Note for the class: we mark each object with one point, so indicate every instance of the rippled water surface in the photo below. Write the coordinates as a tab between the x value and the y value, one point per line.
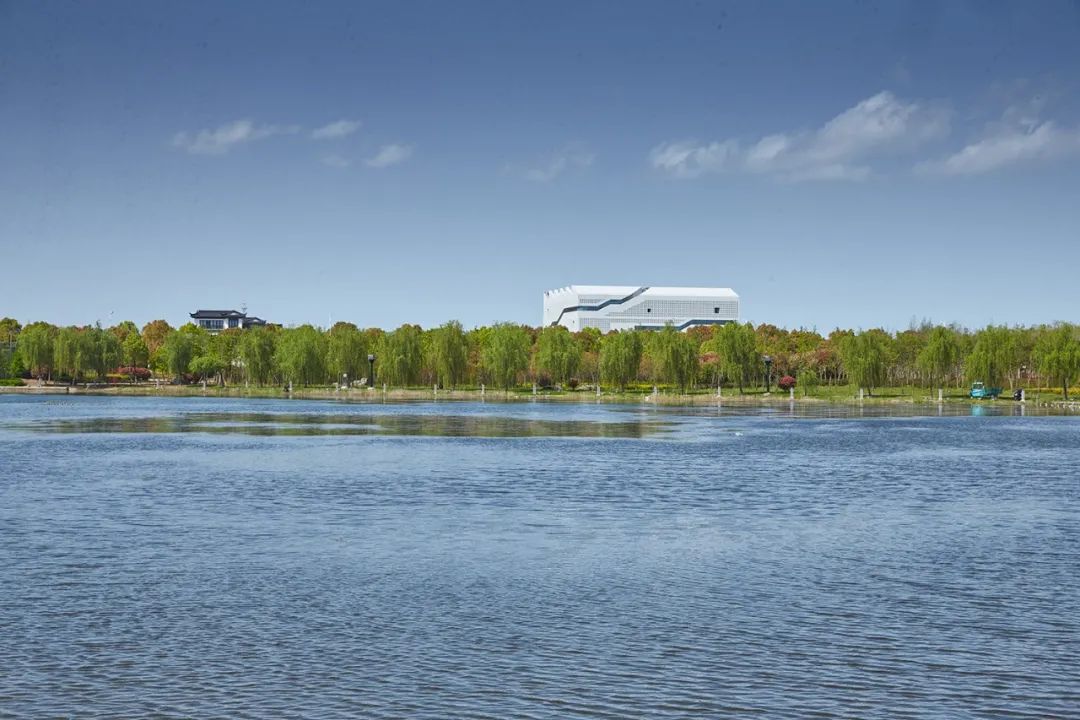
248	559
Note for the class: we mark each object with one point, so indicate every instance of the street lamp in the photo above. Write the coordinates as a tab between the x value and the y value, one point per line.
768	371
371	370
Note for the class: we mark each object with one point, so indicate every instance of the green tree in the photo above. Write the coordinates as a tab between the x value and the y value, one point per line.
206	365
675	358
1057	354
224	347
939	357
346	352
256	351
506	354
449	354
74	351
864	356
134	351
35	347
300	355
737	346
401	356
994	356
9	330
105	351
620	358
178	350
808	376
557	353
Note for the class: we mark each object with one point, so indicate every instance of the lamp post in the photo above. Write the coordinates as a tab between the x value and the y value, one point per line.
768	371
371	370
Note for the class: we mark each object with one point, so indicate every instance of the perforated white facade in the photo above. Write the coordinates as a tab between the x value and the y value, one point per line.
618	307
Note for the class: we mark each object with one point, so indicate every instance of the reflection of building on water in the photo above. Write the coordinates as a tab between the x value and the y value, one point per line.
618	307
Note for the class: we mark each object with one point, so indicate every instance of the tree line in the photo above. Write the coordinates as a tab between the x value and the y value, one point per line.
508	355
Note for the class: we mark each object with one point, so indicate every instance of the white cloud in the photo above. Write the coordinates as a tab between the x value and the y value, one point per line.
390	155
336	161
841	149
335	130
559	163
1018	137
687	159
222	139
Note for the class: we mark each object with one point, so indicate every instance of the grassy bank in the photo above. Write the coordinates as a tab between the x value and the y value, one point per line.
664	396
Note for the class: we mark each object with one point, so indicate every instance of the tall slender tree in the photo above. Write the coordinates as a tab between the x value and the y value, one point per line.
35	347
620	358
674	358
506	354
1058	355
557	353
257	347
301	355
940	356
449	354
401	356
346	352
864	356
737	346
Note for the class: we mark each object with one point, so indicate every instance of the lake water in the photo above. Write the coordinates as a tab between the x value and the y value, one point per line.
250	559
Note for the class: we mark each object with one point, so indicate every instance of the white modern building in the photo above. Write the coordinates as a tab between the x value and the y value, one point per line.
617	307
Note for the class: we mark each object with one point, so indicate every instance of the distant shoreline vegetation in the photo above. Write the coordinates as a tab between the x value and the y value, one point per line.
506	356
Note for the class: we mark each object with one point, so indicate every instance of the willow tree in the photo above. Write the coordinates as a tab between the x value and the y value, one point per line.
400	356
506	354
864	357
346	351
257	354
939	356
72	352
737	346
105	351
1057	354
178	350
620	357
674	358
448	352
557	353
35	348
993	357
300	355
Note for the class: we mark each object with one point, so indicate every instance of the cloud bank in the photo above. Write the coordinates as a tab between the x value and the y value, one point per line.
841	149
1019	137
389	155
336	130
220	140
560	162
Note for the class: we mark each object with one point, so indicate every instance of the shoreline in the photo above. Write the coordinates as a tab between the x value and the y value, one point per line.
581	397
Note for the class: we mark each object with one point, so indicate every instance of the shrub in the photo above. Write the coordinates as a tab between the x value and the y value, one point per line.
10	382
140	373
786	383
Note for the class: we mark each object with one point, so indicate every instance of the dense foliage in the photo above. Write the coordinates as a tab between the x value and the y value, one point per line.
508	355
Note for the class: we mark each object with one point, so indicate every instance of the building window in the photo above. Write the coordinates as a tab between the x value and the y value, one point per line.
716	311
648	309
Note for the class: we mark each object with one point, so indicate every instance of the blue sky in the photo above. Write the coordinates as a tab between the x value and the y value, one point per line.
837	164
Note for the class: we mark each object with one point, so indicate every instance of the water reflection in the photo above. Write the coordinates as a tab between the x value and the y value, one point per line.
285	424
